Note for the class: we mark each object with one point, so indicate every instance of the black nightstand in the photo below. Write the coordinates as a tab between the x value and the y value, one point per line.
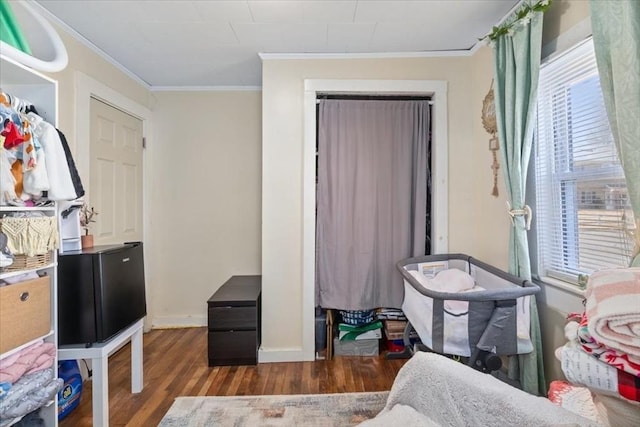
234	322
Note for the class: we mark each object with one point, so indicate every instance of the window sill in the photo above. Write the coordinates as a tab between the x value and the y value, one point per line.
562	285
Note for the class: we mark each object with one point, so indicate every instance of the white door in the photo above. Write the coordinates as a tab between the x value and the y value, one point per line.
115	189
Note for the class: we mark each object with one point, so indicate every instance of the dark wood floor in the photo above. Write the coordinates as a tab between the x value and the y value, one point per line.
175	364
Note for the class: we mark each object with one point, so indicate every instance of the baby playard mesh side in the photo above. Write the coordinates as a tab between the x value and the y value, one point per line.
460	306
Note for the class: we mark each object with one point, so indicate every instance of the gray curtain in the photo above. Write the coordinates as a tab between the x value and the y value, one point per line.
371	199
616	39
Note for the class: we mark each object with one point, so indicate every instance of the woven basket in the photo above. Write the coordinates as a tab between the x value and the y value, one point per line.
357	317
23	262
36	236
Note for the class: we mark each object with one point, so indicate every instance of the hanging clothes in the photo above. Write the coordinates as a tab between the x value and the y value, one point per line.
35	159
8	194
73	171
61	184
23	152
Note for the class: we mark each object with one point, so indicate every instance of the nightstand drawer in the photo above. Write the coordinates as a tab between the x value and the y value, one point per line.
234	322
233	318
233	348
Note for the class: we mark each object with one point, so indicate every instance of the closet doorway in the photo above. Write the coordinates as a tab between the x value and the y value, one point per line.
373	196
116	175
437	90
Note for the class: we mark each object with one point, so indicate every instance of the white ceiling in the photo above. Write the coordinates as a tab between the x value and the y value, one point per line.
169	43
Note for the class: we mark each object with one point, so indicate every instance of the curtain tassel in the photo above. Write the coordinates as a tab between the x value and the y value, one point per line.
525	211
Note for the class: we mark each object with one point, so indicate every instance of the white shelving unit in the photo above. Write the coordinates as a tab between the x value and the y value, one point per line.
70	230
42	91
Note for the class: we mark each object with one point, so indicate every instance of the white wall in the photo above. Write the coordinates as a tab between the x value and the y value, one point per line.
492	224
86	61
202	182
283	83
204	216
478	223
206	155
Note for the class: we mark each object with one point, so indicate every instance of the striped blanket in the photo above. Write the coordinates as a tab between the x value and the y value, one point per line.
613	309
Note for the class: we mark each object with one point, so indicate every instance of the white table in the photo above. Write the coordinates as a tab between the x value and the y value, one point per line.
99	354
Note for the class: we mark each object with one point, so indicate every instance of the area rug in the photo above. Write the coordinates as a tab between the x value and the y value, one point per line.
339	409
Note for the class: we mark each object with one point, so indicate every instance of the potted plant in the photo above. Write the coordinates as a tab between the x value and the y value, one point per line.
87	217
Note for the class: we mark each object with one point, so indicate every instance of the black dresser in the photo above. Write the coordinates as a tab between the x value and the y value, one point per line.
234	322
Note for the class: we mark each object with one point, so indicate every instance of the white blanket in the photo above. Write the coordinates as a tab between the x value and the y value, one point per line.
432	390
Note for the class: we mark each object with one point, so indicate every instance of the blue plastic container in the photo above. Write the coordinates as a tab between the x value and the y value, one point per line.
69	394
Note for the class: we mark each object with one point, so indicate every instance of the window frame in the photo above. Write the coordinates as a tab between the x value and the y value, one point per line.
569	276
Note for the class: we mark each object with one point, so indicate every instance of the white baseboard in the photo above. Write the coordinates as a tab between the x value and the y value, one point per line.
295	354
265	355
164	322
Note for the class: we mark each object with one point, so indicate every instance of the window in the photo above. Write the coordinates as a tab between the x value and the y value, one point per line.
584	218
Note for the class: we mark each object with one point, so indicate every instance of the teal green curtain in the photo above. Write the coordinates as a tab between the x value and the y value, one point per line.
516	70
10	32
516	67
616	39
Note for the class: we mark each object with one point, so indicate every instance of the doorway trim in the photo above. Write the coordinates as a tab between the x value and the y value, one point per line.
437	89
86	88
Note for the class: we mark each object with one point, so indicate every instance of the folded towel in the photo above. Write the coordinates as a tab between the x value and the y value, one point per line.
31	359
376	324
350	332
613	309
30	393
23	387
4	388
374	334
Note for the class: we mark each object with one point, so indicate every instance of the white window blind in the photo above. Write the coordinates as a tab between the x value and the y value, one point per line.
583	212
